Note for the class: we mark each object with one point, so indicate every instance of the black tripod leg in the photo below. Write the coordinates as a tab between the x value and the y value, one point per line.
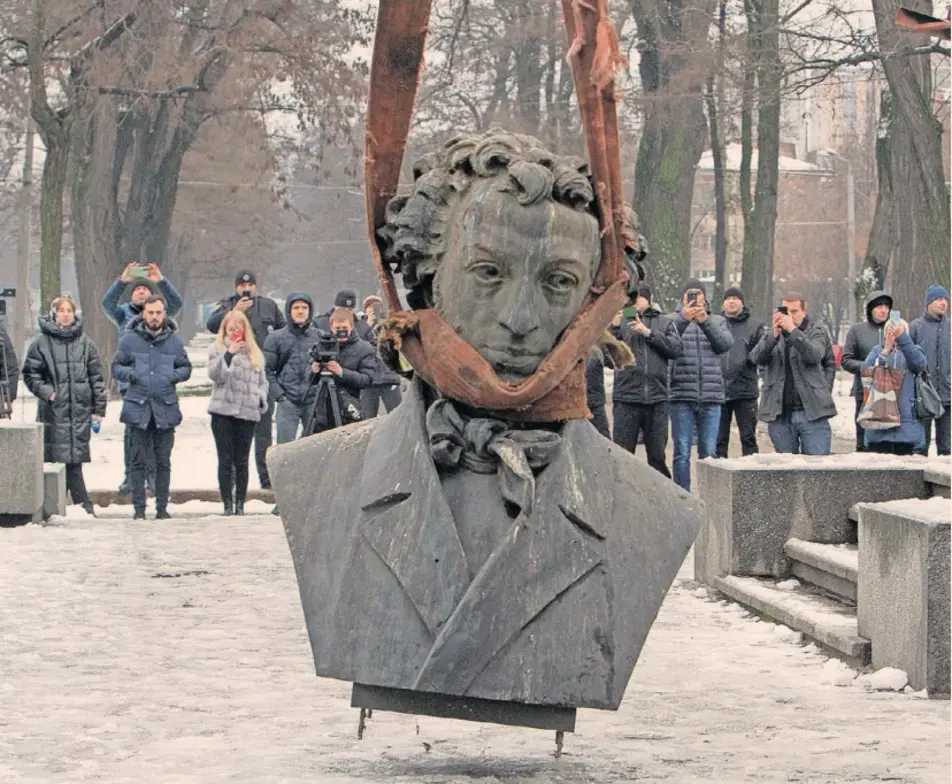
335	403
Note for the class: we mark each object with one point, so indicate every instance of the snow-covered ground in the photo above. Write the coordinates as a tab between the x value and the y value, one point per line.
176	652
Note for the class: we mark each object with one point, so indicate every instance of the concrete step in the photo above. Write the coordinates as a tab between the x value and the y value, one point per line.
832	568
829	623
108	497
939	475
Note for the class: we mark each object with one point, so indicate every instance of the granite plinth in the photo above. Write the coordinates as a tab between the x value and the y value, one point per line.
903	591
754	505
21	472
54	490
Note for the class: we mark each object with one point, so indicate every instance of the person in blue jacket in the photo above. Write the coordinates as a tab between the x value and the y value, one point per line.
899	352
151	360
122	315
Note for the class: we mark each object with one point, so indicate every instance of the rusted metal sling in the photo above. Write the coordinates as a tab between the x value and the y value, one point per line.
556	391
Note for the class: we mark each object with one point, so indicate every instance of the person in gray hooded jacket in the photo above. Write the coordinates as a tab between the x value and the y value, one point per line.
697	379
860	340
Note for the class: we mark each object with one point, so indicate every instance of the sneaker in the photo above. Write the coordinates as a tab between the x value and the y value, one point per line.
264	483
162	514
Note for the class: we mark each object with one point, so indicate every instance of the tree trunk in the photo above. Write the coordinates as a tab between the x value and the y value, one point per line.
714	98
884	232
918	184
763	24
52	188
673	136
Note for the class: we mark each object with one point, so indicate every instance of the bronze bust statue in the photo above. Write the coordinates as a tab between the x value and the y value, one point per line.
465	553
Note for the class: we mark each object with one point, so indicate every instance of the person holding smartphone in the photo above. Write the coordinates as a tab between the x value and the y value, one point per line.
697	379
796	401
860	340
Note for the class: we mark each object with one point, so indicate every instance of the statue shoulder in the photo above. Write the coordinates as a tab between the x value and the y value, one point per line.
342	445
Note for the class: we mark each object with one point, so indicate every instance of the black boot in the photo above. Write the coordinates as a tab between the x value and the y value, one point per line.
88	508
239	507
229	511
139	514
162	514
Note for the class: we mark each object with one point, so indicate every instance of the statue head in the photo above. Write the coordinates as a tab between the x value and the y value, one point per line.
500	237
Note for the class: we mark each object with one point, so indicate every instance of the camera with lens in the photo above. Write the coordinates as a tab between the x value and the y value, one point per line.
326	349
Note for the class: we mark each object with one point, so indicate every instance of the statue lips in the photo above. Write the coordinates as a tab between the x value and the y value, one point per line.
516	360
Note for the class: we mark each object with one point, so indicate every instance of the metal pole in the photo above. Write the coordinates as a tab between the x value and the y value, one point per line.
24	245
851	237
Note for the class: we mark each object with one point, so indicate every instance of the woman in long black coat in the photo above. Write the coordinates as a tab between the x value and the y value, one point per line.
62	369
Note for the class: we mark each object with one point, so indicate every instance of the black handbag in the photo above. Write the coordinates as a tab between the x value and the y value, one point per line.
928	404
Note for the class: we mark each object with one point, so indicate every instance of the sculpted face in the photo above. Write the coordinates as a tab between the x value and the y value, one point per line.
513	276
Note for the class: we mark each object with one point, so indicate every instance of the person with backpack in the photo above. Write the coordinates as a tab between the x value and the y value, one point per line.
63	371
931	333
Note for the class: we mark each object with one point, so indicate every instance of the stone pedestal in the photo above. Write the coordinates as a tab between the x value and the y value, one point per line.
903	589
54	490
753	505
21	472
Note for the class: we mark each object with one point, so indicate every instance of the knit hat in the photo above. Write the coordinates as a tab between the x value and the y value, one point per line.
735	291
142	283
693	285
345	299
645	291
246	276
934	292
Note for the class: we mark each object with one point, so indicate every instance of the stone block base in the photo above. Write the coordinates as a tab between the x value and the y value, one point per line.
54	490
21	471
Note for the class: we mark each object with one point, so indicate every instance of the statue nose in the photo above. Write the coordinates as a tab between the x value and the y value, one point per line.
520	314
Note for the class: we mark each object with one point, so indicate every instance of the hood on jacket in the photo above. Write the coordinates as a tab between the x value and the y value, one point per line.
871	300
49	327
299	296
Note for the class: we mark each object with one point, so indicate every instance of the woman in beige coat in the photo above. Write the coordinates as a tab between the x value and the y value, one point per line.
239	398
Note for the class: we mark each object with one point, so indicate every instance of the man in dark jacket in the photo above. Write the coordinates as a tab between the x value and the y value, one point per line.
931	333
796	401
347	300
860	340
155	283
9	373
265	317
354	368
151	360
640	392
122	315
740	375
697	379
387	387
287	355
595	390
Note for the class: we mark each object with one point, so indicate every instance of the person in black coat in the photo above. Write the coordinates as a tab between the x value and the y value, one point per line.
62	369
741	388
265	317
152	360
9	374
387	387
595	390
640	392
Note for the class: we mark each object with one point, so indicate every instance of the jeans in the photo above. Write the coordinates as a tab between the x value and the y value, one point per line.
652	421
262	443
941	432
600	420
685	417
233	443
289	417
794	434
127	457
746	413
155	445
370	398
76	484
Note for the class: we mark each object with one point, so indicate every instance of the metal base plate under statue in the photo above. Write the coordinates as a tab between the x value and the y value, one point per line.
449	706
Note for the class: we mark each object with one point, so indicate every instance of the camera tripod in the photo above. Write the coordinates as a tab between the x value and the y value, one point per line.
326	393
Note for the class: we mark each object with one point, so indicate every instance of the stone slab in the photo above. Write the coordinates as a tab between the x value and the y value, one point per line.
938	473
823	620
903	597
54	490
839	560
754	505
447	706
21	471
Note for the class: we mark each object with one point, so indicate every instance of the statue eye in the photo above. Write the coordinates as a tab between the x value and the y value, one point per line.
488	272
561	281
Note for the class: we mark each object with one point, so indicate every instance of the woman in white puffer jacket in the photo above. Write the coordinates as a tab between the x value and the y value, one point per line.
239	398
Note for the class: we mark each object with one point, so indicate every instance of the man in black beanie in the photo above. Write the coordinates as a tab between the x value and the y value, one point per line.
265	317
740	375
347	299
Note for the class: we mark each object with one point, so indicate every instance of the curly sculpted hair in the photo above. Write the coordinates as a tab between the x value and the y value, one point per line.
418	226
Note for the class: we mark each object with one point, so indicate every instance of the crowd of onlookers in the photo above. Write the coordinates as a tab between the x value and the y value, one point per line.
695	371
700	371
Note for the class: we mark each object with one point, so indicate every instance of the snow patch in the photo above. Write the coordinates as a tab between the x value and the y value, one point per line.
836	673
886	679
788	585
